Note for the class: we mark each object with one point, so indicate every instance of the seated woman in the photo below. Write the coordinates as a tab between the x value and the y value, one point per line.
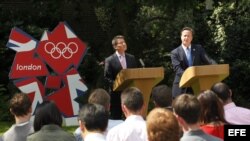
48	124
212	114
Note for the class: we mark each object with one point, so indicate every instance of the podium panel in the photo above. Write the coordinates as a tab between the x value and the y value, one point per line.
143	78
201	78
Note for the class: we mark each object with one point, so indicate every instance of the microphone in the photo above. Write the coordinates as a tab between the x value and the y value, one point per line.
142	63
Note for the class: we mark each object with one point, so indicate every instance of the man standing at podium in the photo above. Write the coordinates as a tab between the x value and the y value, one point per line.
113	65
184	56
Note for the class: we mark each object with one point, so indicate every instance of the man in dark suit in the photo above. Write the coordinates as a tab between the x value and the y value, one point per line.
184	56
113	65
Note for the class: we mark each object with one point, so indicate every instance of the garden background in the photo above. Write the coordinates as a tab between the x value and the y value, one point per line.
152	30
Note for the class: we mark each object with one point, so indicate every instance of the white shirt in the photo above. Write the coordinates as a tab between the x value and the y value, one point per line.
94	137
111	124
237	115
122	60
185	49
133	129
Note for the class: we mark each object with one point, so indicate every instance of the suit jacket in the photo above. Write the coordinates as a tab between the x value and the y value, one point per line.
18	133
113	67
198	135
51	132
180	63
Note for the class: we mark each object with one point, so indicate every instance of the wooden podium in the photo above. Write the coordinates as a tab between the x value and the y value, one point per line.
201	78
143	78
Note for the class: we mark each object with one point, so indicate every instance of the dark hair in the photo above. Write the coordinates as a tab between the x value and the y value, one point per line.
100	96
94	117
211	107
187	28
20	104
162	96
188	107
222	91
47	113
132	98
114	40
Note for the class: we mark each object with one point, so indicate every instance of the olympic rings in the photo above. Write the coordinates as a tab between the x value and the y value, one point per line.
61	49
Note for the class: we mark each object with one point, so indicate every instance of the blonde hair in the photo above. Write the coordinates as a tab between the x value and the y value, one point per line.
162	125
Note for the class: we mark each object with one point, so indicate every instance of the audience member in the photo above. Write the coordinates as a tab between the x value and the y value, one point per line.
212	118
162	97
99	96
162	125
187	110
134	127
93	121
48	124
20	108
233	114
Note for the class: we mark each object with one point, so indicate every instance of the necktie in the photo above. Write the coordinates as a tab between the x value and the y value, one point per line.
123	62
189	56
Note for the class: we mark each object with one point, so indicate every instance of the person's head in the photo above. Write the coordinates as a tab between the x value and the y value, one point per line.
186	36
222	91
47	113
119	44
93	118
211	108
188	108
131	101
162	125
100	96
20	105
161	96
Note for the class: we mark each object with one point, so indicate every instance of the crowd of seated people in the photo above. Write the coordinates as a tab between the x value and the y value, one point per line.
101	97
187	117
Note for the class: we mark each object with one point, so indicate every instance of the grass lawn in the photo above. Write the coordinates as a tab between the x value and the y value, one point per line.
6	125
70	129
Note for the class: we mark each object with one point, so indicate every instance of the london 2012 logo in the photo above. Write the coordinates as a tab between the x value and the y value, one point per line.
47	69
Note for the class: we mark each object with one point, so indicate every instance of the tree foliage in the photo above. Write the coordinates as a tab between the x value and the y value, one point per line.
229	24
152	30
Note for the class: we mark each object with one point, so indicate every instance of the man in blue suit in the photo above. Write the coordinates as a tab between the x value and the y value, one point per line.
113	65
184	56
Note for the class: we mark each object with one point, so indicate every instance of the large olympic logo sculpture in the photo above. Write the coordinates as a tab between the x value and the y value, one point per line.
61	49
58	54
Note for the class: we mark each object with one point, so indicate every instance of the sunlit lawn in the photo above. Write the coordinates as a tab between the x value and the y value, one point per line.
70	129
4	126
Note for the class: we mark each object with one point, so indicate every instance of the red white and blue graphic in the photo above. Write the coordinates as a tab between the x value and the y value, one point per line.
56	58
25	64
